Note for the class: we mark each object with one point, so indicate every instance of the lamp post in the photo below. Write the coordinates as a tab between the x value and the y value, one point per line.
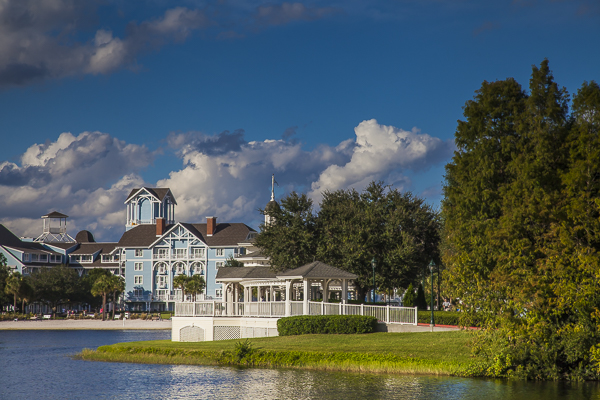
432	322
373	264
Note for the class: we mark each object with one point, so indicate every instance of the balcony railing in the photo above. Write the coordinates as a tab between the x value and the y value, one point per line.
387	314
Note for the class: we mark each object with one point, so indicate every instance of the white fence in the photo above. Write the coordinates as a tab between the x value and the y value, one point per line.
387	314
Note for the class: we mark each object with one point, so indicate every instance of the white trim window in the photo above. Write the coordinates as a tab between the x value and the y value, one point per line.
138	266
161	253
219	293
106	258
179	269
219	264
139	252
25	256
161	281
197	252
34	257
220	252
138	292
43	257
180	253
138	280
86	258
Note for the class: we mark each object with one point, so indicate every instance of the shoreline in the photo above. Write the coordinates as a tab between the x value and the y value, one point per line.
395	353
81	324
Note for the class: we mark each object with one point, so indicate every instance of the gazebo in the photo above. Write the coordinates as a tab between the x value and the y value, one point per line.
307	283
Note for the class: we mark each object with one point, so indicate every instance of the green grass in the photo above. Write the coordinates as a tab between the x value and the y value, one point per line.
439	353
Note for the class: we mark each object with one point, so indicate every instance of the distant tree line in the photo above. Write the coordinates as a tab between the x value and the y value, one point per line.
59	285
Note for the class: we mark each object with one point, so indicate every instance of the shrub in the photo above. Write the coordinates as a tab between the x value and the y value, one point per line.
409	297
325	324
448	318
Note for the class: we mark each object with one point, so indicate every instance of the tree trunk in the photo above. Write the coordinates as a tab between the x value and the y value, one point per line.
15	304
103	306
114	304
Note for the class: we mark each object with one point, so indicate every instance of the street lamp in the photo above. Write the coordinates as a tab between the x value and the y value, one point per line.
431	267
373	264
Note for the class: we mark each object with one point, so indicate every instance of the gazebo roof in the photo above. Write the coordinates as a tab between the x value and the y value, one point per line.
316	270
233	274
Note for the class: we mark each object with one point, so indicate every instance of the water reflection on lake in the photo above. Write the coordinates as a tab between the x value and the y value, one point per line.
36	365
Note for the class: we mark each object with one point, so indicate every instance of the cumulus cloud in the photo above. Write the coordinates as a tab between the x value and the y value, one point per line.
379	151
88	176
82	176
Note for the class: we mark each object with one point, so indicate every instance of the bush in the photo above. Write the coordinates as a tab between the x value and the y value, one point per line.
326	324
448	318
409	297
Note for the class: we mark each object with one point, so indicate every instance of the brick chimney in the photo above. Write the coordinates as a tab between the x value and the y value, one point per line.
211	225
160	226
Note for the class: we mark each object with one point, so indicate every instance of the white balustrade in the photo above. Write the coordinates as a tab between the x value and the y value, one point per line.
388	314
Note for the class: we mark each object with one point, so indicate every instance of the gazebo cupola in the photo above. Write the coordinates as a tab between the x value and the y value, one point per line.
54	229
145	205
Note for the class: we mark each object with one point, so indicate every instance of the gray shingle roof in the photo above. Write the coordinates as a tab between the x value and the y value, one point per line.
317	270
232	273
9	239
92	248
55	214
140	236
226	234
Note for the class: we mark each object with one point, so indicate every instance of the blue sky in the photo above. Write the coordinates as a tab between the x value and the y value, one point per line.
211	98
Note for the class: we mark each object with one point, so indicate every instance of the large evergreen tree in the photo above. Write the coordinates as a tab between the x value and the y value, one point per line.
521	219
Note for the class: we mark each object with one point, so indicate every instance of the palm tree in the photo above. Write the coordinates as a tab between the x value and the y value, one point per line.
118	287
13	286
103	286
196	285
181	282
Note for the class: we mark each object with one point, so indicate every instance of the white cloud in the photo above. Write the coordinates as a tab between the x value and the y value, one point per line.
82	176
379	151
89	175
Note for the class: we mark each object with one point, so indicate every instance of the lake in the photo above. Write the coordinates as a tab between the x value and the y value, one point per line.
37	365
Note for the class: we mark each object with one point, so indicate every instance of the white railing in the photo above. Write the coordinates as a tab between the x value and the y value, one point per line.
387	314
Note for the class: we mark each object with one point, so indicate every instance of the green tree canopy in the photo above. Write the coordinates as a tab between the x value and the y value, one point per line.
521	227
397	229
55	285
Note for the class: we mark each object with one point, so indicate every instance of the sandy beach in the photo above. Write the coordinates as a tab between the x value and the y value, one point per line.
83	325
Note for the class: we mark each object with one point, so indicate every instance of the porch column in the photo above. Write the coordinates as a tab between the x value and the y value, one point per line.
288	303
326	290
306	289
344	291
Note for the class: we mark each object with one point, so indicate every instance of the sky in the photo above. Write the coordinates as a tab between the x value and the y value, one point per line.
210	98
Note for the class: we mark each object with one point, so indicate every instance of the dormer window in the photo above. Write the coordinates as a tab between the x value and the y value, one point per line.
86	258
106	258
43	257
25	256
34	257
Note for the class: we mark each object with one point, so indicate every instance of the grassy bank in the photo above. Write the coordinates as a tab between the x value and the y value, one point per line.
438	353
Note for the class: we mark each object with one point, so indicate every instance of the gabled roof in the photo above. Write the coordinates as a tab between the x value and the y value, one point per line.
140	236
55	214
226	234
9	239
93	248
62	245
316	270
237	274
159	193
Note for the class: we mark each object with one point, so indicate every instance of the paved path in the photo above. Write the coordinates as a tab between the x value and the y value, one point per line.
84	324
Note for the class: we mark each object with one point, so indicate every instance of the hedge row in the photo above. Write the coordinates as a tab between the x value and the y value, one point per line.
447	318
320	324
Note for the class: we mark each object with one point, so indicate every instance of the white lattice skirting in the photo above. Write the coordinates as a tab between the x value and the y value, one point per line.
197	329
191	334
